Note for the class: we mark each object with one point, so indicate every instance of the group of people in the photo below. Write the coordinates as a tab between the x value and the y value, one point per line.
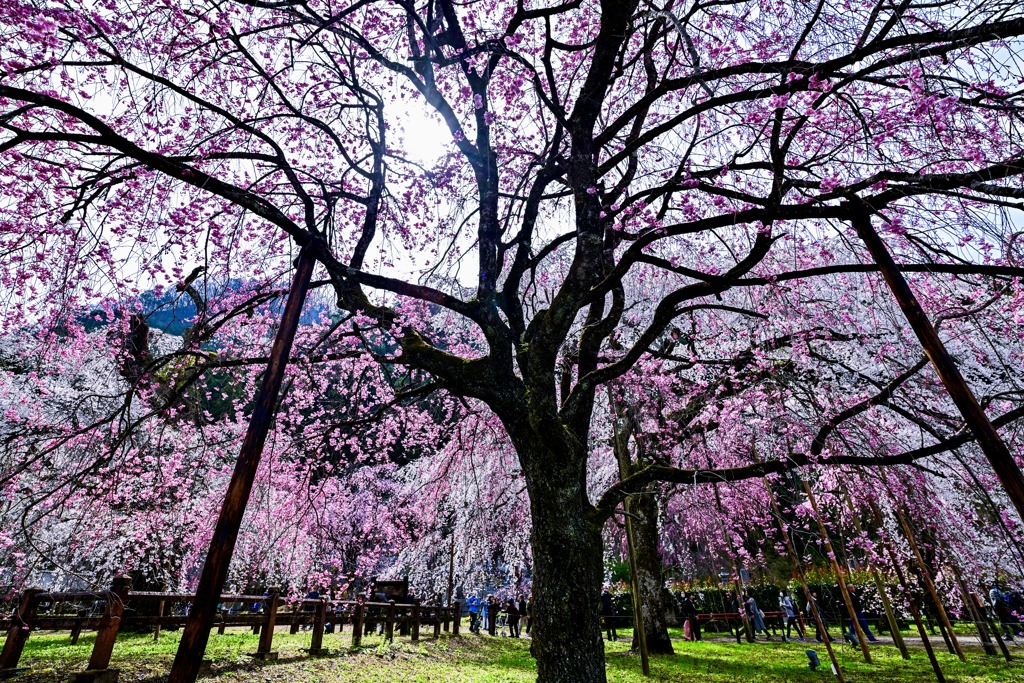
747	606
491	614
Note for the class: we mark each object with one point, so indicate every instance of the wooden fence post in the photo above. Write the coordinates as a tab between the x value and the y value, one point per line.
456	618
389	625
443	613
437	621
357	624
106	635
316	645
159	613
19	631
265	651
415	631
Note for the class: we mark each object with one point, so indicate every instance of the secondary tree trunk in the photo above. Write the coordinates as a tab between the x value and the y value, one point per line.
649	577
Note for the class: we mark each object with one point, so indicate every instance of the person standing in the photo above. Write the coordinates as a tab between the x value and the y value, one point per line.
473	605
608	614
492	615
787	606
691	623
523	612
529	613
513	619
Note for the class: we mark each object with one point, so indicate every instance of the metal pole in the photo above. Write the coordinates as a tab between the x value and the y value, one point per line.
197	629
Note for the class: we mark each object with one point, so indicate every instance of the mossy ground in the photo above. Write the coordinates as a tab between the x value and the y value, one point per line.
481	659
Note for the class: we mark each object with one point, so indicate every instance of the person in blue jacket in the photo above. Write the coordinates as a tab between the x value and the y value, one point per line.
473	605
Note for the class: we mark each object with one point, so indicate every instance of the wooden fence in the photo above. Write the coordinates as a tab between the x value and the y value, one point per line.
117	609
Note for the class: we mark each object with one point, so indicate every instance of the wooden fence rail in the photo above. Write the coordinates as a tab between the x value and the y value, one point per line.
120	603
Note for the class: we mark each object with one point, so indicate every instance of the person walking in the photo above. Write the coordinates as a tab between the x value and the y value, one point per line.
755	615
523	612
608	614
821	615
858	614
1001	610
786	605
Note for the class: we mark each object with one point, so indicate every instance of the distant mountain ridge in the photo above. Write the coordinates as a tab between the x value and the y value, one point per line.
173	311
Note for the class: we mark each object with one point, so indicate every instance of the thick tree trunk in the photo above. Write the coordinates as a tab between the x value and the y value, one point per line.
649	577
568	569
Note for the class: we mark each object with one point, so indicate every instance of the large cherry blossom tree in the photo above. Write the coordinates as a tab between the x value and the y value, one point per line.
601	155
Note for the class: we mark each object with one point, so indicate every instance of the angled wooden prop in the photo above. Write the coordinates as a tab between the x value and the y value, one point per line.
222	546
988	438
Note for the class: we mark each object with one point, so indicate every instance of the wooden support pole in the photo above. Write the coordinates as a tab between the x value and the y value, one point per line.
894	626
415	633
851	613
994	627
926	576
880	522
389	624
106	635
979	622
21	626
451	570
357	624
803	583
222	546
456	617
986	434
437	622
748	628
265	650
316	645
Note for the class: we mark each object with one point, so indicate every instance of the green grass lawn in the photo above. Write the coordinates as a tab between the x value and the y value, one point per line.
481	659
